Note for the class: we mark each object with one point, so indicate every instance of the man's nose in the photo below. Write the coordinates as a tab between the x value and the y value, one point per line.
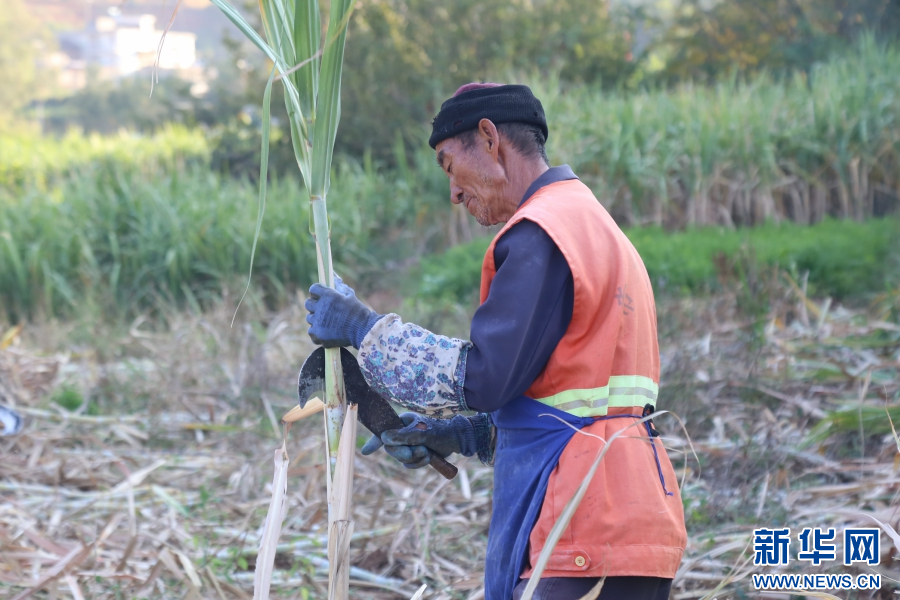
456	194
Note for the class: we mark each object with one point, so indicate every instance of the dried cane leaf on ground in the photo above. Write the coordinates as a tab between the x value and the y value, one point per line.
180	445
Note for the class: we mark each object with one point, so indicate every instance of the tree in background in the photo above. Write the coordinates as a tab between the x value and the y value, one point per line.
105	106
704	41
408	55
22	41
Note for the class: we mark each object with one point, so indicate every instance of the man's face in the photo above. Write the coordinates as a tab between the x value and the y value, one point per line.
476	179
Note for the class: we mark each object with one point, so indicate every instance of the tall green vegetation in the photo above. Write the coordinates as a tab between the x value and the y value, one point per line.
741	152
408	55
126	223
128	220
30	161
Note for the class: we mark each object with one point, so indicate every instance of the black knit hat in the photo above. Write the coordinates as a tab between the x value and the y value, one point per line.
498	103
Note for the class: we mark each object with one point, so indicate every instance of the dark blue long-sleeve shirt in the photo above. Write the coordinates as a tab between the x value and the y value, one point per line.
526	314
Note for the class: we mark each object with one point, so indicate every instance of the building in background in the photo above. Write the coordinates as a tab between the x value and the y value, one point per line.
118	45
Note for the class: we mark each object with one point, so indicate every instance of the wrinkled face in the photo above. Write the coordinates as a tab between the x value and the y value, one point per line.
476	179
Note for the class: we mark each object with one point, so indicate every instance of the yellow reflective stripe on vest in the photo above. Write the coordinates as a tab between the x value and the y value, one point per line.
623	391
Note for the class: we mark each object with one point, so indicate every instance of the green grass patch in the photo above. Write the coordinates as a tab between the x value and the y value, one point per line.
68	397
844	259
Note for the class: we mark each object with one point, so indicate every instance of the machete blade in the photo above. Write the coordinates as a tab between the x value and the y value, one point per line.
375	412
311	381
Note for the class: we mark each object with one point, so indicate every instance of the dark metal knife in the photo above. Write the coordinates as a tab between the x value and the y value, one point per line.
375	413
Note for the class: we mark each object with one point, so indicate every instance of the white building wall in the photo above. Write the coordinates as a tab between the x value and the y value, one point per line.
122	45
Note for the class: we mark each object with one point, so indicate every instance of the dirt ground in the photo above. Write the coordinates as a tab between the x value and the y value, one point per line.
144	467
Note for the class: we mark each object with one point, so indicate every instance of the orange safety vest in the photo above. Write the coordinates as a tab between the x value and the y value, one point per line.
606	364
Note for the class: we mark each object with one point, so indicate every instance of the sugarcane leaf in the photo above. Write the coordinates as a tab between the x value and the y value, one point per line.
328	102
307	35
286	7
154	79
168	499
594	591
265	17
890	531
301	150
893	429
299	141
282	25
263	184
235	17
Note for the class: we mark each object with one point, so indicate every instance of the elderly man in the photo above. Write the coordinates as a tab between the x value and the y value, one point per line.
563	355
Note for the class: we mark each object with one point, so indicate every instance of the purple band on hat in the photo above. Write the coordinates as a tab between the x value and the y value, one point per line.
475	86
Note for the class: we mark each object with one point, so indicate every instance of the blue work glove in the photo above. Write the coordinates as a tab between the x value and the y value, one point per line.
414	444
337	317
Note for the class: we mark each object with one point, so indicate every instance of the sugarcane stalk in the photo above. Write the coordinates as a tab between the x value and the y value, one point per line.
340	527
335	399
313	101
339	489
327	116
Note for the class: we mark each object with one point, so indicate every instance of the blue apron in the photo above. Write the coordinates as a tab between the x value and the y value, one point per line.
528	449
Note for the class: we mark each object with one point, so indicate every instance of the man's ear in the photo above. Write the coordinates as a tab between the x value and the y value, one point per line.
489	137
